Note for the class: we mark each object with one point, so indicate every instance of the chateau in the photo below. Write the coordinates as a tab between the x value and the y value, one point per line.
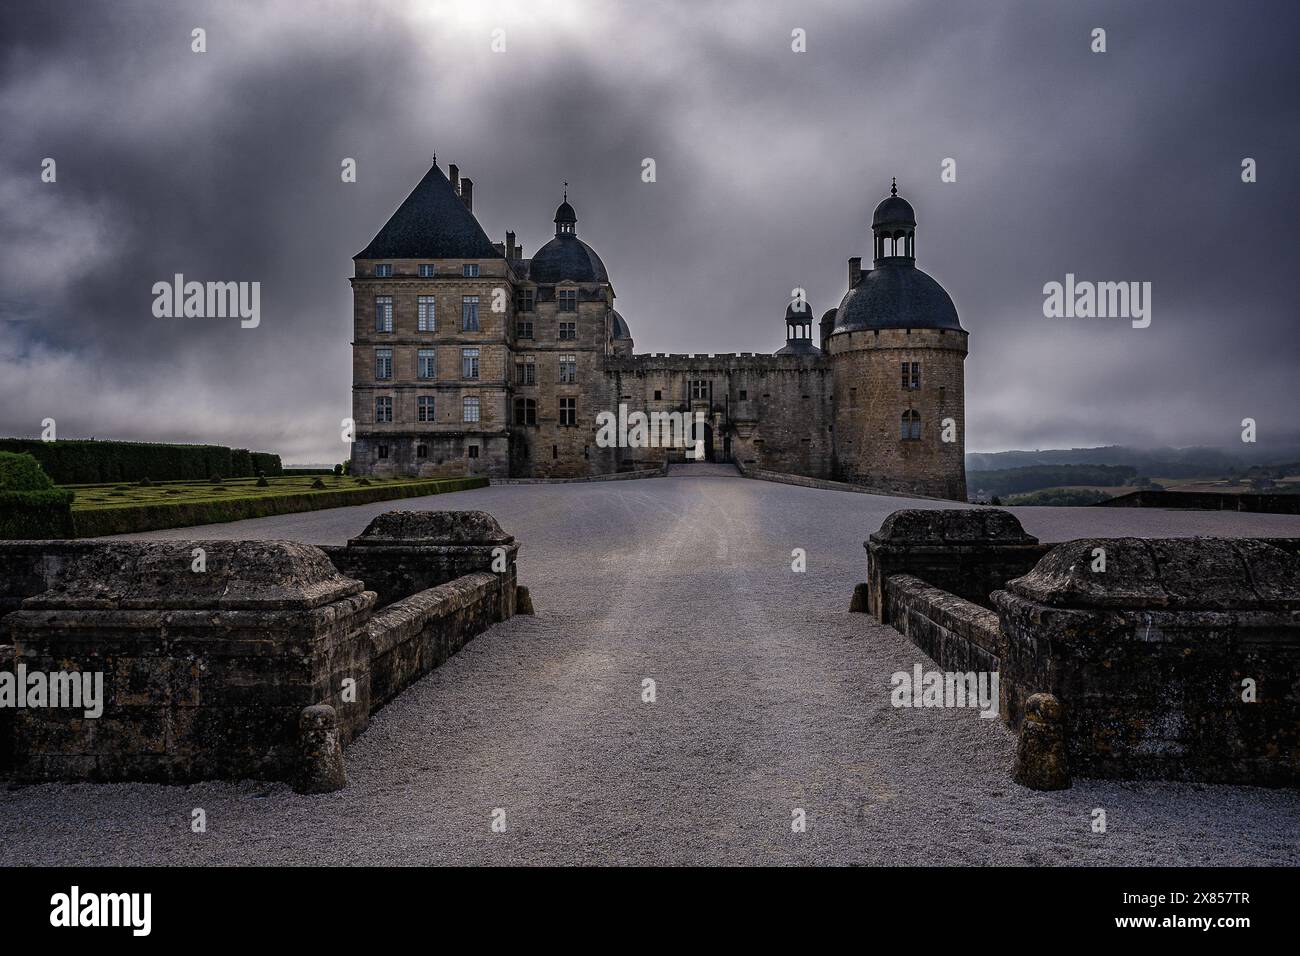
471	358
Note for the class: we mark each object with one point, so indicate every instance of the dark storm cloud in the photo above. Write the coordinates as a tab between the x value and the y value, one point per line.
224	166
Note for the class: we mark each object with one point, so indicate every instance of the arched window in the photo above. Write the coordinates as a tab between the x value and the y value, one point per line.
909	428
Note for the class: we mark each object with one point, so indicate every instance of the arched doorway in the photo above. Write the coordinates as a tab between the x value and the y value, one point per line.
708	442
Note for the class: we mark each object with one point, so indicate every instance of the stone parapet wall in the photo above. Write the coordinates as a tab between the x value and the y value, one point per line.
215	658
970	553
404	552
957	634
1172	659
1150	658
1278	504
204	674
416	634
785	478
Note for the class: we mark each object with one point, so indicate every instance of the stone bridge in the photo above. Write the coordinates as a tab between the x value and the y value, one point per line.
680	694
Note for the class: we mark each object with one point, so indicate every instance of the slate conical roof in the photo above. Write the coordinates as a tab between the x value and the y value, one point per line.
431	223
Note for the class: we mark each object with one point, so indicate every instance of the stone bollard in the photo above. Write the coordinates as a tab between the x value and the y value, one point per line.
320	751
1041	762
523	600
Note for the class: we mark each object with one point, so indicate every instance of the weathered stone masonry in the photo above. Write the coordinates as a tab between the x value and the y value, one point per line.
470	358
240	669
1145	664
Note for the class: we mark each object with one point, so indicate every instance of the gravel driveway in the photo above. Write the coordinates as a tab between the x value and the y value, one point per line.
770	698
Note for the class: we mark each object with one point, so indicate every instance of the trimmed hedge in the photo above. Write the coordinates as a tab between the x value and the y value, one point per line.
153	517
268	463
30	505
84	462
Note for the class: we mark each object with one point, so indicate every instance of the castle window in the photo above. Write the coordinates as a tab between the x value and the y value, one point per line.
383	271
469	313
910	427
525	411
568	330
568	411
426	313
525	300
470	409
568	369
424	409
383	313
381	451
471	270
421	451
425	363
469	363
526	372
700	388
659	396
568	299
744	395
911	374
555	451
383	363
523	330
383	410
472	451
426	270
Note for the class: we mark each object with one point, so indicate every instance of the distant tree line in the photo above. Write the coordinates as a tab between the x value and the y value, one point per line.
84	462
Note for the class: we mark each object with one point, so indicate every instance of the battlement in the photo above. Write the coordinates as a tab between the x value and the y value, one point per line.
721	361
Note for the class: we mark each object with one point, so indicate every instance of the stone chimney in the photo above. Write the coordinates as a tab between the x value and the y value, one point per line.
453	175
510	245
467	193
855	271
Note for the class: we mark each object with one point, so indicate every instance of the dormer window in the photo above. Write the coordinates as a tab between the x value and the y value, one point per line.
471	270
426	270
384	270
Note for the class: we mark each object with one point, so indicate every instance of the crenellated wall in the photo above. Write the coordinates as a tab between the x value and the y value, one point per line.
766	411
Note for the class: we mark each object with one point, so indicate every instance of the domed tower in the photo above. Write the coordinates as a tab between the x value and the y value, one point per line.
897	353
559	384
620	335
798	329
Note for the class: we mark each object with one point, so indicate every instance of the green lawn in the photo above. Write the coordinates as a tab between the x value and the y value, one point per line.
91	497
128	508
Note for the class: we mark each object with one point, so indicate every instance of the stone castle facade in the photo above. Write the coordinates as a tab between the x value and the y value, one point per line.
470	358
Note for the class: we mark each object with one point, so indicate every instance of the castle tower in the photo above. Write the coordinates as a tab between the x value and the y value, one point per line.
897	353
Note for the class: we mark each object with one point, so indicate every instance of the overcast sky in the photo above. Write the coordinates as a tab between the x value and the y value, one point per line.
1115	166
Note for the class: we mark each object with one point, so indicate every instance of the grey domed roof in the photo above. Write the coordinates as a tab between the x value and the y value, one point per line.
798	347
565	213
893	211
896	295
621	331
793	314
566	257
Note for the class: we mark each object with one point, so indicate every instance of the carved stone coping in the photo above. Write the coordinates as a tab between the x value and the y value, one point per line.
1165	573
915	527
433	529
160	575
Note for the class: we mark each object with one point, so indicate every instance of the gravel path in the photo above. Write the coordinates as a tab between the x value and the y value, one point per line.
770	697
